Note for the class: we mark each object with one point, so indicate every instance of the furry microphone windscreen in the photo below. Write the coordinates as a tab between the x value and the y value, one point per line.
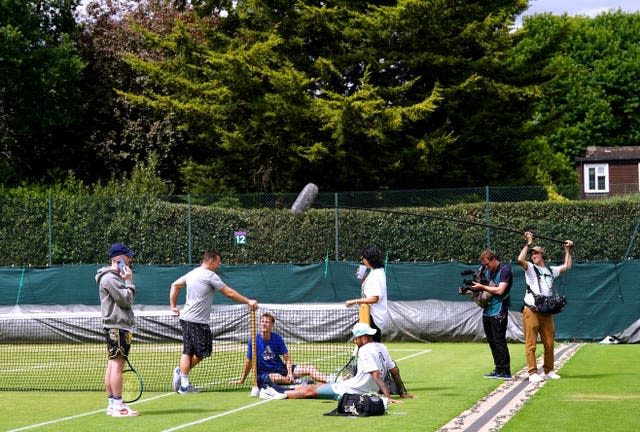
305	199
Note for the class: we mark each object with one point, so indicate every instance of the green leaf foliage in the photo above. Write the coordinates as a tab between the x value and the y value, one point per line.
594	98
39	97
353	95
176	229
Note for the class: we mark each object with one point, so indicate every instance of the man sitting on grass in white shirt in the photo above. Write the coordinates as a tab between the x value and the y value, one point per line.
373	364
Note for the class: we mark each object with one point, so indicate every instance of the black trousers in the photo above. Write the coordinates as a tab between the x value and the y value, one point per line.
495	329
378	336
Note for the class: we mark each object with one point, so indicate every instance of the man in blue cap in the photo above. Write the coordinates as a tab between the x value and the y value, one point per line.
373	364
117	294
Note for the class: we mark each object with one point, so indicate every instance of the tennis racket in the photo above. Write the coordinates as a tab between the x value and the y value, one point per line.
132	385
348	370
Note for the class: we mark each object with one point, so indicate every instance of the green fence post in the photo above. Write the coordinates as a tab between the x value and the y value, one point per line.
631	240
337	224
189	238
487	211
20	285
49	219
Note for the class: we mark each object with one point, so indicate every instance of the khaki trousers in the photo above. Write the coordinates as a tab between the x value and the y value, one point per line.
535	323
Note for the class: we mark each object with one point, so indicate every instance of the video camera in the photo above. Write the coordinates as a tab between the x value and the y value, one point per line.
478	277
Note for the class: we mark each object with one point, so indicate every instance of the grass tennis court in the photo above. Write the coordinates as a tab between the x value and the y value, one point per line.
600	390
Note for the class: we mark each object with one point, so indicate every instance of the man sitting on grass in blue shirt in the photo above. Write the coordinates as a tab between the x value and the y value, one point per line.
272	370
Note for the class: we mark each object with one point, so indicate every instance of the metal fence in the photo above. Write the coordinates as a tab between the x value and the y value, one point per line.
36	231
388	198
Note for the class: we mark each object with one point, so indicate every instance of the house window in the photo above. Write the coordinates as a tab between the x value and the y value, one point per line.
596	178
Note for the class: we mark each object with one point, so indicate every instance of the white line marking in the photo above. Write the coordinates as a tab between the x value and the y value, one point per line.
413	355
37	425
217	415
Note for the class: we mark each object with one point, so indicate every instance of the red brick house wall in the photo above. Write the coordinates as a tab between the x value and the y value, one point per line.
623	169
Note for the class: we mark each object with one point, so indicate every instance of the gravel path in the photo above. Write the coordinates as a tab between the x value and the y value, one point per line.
493	411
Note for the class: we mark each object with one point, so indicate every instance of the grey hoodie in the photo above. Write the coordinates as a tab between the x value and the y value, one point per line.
116	299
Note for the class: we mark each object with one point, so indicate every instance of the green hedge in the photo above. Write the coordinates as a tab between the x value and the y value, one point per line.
76	230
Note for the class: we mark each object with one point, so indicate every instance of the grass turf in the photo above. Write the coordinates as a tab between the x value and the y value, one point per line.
599	388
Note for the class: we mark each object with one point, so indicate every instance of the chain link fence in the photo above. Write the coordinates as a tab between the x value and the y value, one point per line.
175	229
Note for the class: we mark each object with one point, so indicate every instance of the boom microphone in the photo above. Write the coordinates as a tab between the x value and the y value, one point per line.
466	272
305	199
308	195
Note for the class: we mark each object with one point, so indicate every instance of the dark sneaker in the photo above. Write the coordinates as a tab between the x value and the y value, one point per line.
491	375
503	376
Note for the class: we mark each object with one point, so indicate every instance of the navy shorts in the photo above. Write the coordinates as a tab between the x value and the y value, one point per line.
196	339
118	342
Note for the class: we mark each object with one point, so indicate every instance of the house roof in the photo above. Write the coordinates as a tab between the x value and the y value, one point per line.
625	153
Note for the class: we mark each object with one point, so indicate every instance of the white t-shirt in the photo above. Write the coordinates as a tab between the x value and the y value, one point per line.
547	274
371	357
376	285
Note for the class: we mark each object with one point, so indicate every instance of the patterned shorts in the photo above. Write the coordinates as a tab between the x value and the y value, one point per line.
196	339
118	342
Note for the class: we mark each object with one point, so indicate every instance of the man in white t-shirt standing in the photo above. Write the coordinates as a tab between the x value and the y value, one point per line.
373	364
539	279
374	291
201	282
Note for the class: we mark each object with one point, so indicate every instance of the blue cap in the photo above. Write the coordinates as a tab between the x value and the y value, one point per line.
118	249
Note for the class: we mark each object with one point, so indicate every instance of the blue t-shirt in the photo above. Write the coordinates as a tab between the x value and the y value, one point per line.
270	354
503	274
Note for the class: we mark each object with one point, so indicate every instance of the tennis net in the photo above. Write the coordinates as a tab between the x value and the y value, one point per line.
63	348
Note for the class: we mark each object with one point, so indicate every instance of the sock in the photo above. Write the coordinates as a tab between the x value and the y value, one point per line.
110	401
117	402
184	381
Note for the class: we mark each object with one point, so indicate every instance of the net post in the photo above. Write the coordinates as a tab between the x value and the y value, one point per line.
254	347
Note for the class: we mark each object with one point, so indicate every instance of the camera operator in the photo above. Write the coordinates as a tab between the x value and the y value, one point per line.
495	315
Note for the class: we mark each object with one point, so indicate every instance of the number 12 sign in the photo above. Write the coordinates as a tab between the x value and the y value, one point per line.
240	237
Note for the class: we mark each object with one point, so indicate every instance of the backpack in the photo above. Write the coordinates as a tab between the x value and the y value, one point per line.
359	405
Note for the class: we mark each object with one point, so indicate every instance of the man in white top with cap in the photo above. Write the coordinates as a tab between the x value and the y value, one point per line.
373	364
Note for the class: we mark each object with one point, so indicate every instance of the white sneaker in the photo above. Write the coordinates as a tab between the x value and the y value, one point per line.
124	411
535	378
175	384
109	411
271	393
188	389
552	375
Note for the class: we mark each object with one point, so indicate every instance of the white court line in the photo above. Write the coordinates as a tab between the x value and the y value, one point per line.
182	426
34	426
37	425
413	355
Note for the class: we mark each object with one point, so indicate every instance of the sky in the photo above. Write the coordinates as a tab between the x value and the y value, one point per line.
579	7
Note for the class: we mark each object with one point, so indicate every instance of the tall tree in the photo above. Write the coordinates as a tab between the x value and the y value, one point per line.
446	63
115	134
595	98
39	98
350	95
